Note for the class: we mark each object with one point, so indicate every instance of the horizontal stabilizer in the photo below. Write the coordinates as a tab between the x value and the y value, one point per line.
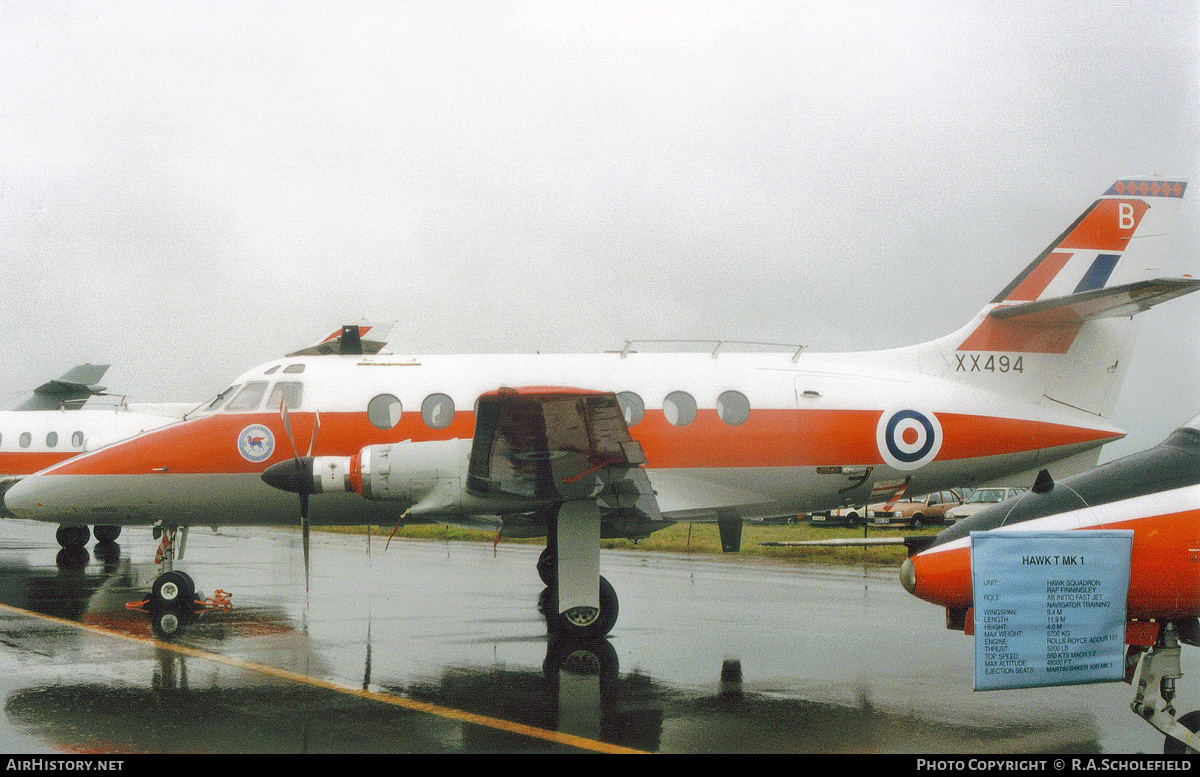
73	388
1114	302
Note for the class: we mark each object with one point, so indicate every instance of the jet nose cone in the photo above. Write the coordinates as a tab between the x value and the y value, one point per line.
908	576
293	476
21	498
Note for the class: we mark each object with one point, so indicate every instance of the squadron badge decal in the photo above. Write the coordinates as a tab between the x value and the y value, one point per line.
256	443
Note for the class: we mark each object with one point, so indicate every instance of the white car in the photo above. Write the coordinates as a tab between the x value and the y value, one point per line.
981	498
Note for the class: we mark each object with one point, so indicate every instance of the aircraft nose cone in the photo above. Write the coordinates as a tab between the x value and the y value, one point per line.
288	476
908	576
20	498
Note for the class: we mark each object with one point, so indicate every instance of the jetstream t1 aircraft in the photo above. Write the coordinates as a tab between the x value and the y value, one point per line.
621	444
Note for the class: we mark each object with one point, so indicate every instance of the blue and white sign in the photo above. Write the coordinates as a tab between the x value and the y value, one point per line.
1049	607
256	443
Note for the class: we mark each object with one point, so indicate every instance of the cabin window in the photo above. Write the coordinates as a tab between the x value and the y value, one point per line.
272	370
384	411
52	440
680	408
26	439
77	439
632	407
292	369
437	411
250	397
733	408
288	392
224	395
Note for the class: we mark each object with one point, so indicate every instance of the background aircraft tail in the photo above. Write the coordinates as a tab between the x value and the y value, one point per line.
1060	332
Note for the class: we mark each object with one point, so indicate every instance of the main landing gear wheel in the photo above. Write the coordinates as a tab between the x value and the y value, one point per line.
107	533
581	623
1172	746
172	589
546	566
73	536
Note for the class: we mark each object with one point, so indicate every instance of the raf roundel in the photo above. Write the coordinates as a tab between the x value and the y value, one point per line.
908	439
256	443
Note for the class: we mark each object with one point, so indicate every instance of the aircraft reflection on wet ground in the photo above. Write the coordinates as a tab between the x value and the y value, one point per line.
473	670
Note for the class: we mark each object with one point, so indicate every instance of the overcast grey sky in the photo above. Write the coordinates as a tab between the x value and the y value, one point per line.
188	189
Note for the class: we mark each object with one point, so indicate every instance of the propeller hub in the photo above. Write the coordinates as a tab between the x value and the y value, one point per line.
294	475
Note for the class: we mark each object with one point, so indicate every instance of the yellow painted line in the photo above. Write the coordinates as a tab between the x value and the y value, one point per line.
396	701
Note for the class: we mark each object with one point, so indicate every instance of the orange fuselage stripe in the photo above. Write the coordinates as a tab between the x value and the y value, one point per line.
768	438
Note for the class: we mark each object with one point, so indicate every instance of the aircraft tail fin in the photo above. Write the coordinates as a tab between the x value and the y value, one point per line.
1064	326
352	339
71	390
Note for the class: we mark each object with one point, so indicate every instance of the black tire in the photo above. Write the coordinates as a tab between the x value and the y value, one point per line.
1172	746
172	589
547	566
566	627
106	533
73	536
918	521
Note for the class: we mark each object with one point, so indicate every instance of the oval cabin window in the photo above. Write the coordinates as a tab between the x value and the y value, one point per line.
437	411
632	407
680	408
384	411
733	408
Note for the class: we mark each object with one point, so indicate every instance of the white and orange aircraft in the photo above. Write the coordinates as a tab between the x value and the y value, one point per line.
621	444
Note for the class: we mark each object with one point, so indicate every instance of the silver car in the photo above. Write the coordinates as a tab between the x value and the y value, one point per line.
981	498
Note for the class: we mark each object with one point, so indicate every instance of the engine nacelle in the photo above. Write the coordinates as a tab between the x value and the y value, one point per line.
428	478
409	471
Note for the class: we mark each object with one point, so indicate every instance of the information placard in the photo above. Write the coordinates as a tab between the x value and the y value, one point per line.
1049	607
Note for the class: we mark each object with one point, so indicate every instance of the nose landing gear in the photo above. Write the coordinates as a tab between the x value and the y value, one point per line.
173	600
1155	695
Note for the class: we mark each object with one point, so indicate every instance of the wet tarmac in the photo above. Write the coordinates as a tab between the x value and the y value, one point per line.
438	647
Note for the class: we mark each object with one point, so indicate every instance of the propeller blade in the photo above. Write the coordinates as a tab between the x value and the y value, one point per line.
312	442
287	427
304	536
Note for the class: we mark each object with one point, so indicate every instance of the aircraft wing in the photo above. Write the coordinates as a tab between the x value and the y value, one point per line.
1113	302
74	387
558	444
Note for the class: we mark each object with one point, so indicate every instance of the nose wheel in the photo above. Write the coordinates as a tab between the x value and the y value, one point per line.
172	589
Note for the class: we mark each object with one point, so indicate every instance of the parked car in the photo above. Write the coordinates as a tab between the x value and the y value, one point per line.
981	498
917	511
842	516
